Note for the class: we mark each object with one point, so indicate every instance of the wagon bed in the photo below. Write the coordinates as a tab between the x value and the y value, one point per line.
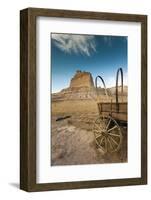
117	111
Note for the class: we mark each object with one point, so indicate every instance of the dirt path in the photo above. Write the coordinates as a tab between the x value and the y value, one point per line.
72	145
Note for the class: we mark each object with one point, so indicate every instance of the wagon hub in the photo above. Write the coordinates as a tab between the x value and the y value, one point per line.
104	133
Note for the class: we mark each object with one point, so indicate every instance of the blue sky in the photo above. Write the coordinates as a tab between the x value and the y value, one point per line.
98	54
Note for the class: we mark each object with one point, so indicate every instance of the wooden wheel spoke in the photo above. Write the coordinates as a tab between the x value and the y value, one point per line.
98	136
104	122
98	126
116	135
113	141
108	124
111	129
111	146
96	131
102	140
105	144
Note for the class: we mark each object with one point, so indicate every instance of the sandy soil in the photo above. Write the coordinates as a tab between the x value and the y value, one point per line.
73	142
74	106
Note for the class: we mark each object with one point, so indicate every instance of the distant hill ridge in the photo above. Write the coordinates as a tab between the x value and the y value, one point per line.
82	87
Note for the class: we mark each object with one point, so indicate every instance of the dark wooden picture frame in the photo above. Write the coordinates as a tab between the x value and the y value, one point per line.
28	98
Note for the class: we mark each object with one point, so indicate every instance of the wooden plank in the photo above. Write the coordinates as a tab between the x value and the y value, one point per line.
119	108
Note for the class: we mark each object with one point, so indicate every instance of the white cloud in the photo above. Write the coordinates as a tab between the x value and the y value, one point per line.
78	44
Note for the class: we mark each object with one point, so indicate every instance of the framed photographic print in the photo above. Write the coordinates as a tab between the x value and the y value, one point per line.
83	99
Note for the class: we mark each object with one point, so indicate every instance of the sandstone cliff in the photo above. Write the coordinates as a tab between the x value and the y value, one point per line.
82	79
82	88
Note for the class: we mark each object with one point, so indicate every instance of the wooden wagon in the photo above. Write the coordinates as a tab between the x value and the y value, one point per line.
112	114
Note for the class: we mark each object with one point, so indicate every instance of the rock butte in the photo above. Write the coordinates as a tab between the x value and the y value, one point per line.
82	79
82	87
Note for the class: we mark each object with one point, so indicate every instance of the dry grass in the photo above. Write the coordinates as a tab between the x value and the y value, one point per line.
77	106
72	139
81	106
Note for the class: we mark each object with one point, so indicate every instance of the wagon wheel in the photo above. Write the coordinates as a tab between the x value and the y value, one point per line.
107	134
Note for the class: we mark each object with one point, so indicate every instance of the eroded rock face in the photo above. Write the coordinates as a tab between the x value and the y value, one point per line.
82	79
82	88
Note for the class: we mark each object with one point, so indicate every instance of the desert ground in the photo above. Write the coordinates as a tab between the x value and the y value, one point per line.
72	138
73	112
